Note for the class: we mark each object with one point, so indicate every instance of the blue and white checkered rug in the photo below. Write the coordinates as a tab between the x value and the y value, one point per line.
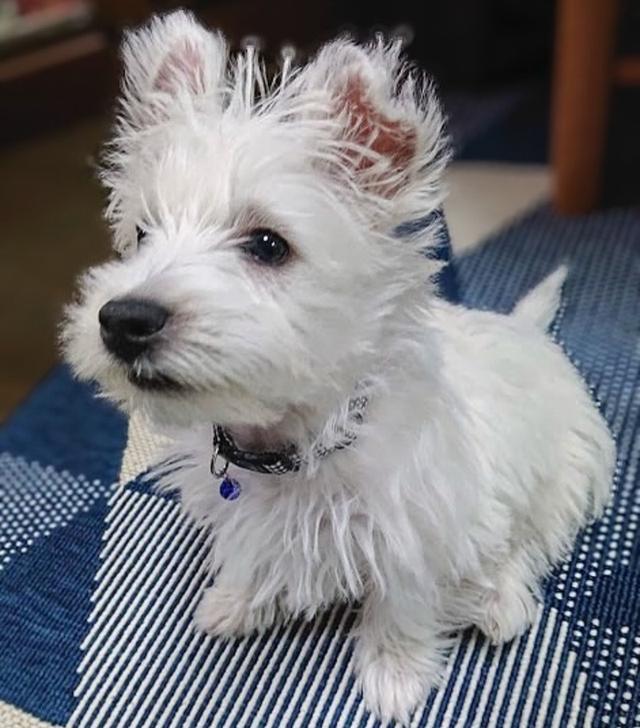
99	577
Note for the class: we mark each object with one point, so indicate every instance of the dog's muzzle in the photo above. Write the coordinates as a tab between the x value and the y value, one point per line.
128	326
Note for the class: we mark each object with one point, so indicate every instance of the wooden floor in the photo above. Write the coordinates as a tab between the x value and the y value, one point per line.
51	228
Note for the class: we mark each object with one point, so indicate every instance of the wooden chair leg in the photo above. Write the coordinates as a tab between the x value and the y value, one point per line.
585	39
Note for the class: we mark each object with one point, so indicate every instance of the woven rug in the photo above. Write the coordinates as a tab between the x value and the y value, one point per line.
99	577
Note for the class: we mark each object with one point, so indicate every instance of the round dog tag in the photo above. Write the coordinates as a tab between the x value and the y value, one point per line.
230	489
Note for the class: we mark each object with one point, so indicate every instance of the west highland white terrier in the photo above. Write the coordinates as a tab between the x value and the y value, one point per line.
346	433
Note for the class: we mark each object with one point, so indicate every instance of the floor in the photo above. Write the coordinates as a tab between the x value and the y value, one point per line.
50	205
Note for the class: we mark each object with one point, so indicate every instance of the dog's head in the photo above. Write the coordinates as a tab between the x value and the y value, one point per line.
254	223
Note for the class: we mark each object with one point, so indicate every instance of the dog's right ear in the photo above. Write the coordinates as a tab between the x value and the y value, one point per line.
170	62
387	130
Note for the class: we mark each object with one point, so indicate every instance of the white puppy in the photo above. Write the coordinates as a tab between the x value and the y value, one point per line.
373	443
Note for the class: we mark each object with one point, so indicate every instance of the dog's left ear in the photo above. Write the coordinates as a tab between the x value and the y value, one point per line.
170	62
388	129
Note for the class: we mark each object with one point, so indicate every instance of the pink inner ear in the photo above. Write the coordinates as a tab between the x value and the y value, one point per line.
182	66
395	140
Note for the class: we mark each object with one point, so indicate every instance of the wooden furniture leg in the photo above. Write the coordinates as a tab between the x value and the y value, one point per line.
585	38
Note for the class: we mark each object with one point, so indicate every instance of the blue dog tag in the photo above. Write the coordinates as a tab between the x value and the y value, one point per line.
230	489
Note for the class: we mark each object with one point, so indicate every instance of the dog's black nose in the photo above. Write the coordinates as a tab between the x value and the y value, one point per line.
127	326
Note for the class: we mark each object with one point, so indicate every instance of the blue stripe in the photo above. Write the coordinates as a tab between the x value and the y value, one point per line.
338	646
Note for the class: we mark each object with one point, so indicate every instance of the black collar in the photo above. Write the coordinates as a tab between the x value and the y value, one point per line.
287	460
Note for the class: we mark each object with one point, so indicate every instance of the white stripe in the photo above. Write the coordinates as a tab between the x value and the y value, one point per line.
247	676
139	622
144	511
337	634
282	661
564	687
285	665
121	513
589	716
357	716
130	621
235	666
435	706
506	674
134	506
475	679
199	683
115	492
123	608
124	649
247	679
131	577
137	503
163	642
117	508
337	668
121	504
370	722
488	682
206	719
190	638
326	637
523	665
348	704
577	700
300	650
346	675
551	678
135	546
540	660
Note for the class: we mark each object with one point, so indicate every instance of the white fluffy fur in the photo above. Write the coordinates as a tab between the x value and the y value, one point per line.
482	453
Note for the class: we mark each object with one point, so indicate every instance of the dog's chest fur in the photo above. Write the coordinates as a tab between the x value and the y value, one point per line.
309	541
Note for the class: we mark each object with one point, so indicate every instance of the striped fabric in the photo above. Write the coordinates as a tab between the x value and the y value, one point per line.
96	615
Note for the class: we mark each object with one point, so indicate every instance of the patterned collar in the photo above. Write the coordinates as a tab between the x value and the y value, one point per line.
287	460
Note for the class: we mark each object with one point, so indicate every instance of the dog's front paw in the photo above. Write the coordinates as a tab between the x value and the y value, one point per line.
394	684
227	612
507	612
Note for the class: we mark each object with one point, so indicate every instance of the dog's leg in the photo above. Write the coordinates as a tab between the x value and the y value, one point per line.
399	652
229	609
508	607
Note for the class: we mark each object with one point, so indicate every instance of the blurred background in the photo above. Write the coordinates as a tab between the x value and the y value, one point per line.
540	96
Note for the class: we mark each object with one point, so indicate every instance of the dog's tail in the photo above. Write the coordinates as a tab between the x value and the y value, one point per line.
541	304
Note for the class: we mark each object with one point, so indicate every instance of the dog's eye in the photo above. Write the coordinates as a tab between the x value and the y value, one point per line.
140	234
266	247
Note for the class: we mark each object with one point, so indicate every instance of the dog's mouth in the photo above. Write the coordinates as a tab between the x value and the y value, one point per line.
155	382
